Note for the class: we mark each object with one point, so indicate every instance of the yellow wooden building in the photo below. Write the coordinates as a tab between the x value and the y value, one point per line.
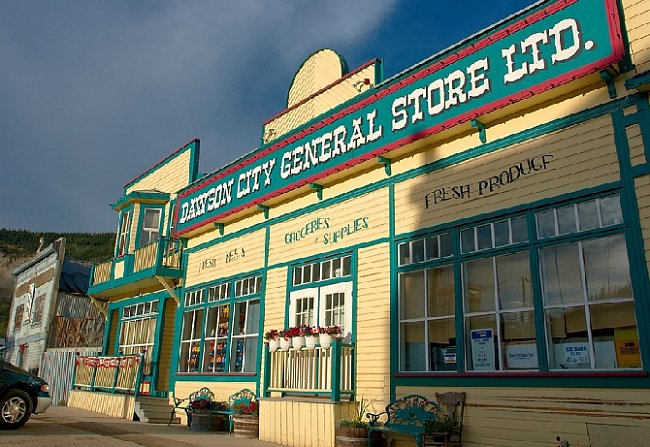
477	223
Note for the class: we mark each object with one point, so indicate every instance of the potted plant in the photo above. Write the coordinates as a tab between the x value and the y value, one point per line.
297	337
353	432
285	340
440	429
204	417
246	419
311	337
273	338
326	334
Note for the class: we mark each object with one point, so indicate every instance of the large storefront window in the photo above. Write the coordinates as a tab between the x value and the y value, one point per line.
576	254
227	341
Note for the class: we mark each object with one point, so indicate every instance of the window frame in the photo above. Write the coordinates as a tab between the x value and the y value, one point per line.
534	244
232	292
124	232
141	222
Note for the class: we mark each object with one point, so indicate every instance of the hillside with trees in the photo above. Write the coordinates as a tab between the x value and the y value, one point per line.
18	246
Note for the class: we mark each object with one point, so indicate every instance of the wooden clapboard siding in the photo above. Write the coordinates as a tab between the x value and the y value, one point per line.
520	417
373	332
274	304
301	423
116	405
168	177
166	348
584	156
635	143
133	231
253	246
374	206
637	22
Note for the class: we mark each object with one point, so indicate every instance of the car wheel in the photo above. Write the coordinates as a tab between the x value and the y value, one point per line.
15	409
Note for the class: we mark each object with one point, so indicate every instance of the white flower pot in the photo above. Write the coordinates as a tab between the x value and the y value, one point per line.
325	340
284	344
311	341
298	342
274	345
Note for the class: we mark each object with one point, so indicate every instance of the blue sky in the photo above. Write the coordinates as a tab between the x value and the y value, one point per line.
95	92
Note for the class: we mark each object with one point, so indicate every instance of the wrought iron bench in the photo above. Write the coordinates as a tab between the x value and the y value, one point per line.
244	398
406	416
202	395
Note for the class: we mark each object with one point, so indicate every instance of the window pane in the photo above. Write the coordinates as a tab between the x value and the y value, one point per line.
412	295
484	236
610	210
253	318
569	345
327	269
545	224
441	291
501	233
467	240
151	218
566	218
445	245
432	248
561	278
336	268
481	343
297	276
306	274
478	285
519	228
412	353
616	339
347	266
418	250
404	253
514	283
607	268
315	268
519	343
588	215
442	343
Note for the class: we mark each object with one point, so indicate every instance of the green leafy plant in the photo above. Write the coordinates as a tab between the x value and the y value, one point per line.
441	425
357	419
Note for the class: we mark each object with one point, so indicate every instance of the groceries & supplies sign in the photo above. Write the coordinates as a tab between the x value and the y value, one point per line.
553	44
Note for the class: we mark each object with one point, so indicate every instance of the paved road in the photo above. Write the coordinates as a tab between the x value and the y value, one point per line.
69	427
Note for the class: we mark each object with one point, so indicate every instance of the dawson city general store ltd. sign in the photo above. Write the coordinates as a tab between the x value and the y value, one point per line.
551	45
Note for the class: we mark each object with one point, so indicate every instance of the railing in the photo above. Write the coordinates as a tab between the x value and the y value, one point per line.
318	371
102	272
165	253
116	374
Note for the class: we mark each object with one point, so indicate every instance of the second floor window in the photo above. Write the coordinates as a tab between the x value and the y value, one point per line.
150	230
123	236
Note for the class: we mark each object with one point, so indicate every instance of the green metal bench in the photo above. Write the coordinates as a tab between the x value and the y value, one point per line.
406	416
243	398
203	394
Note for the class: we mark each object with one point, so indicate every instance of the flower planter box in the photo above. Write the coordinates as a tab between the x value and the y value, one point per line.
246	426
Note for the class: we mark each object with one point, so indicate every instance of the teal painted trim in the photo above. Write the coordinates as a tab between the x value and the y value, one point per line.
319	190
393	322
354	270
265	209
118	332
222	279
477	151
533	380
192	146
638	81
481	130
606	76
335	395
194	160
158	340
643	113
234	377
634	239
386	162
138	233
541	336
140	196
459	305
379	71
107	332
264	352
135	277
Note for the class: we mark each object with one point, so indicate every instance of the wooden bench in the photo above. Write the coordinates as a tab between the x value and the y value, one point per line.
406	416
243	397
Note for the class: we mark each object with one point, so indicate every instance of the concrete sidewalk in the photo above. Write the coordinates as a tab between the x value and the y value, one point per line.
69	427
